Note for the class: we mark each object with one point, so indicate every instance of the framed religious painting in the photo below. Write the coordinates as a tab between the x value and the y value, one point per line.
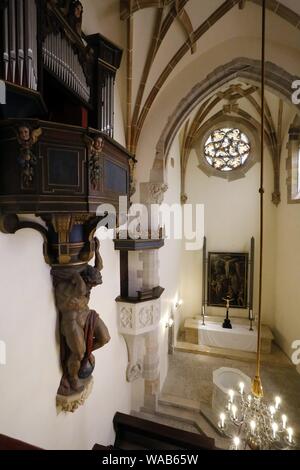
227	279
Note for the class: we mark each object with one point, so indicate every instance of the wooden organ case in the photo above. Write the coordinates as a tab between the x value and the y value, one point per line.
57	149
58	158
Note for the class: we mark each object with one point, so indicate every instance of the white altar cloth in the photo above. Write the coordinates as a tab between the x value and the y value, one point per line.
240	337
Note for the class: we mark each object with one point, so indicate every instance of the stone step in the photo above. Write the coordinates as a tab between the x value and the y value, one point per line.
198	414
179	402
277	357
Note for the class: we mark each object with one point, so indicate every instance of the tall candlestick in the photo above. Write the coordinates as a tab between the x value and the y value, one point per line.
251	318
203	315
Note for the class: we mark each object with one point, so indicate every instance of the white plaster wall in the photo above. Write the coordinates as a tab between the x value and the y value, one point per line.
170	262
29	381
287	293
231	212
28	322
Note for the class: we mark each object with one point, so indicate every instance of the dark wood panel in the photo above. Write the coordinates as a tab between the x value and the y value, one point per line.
8	443
138	245
135	433
124	281
60	176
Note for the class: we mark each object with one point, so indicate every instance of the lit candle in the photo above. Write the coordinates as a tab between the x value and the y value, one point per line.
242	388
284	421
290	435
277	402
231	395
249	399
251	315
236	442
222	420
234	411
252	427
275	429
272	410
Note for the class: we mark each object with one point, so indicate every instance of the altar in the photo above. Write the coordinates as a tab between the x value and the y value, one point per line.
238	338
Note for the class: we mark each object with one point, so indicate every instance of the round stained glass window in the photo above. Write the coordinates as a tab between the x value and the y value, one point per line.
227	149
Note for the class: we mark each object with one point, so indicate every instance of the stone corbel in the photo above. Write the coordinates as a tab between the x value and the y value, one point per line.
153	193
134	368
136	321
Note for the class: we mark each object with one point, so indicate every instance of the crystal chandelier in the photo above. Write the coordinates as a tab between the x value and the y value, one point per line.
248	420
253	425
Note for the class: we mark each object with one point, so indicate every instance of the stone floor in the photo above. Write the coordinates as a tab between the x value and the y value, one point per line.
190	378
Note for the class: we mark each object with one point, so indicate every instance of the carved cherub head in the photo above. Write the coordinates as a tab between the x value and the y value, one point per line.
24	133
98	143
75	16
27	136
77	9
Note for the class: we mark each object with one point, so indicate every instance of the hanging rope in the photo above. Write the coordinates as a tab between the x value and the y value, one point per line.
257	386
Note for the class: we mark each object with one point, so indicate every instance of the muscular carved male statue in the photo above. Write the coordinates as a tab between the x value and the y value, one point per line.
82	330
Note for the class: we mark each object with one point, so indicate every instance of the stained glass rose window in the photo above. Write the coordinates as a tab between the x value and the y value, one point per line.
227	149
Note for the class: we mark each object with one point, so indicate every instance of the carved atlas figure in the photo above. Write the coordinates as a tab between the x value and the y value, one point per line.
82	330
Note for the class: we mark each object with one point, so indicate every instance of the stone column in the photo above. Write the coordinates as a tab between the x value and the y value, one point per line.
151	370
152	193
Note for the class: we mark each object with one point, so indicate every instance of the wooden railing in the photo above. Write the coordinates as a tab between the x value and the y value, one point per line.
8	443
138	434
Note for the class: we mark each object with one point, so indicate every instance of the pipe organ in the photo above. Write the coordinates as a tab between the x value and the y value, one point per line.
19	54
59	59
44	50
